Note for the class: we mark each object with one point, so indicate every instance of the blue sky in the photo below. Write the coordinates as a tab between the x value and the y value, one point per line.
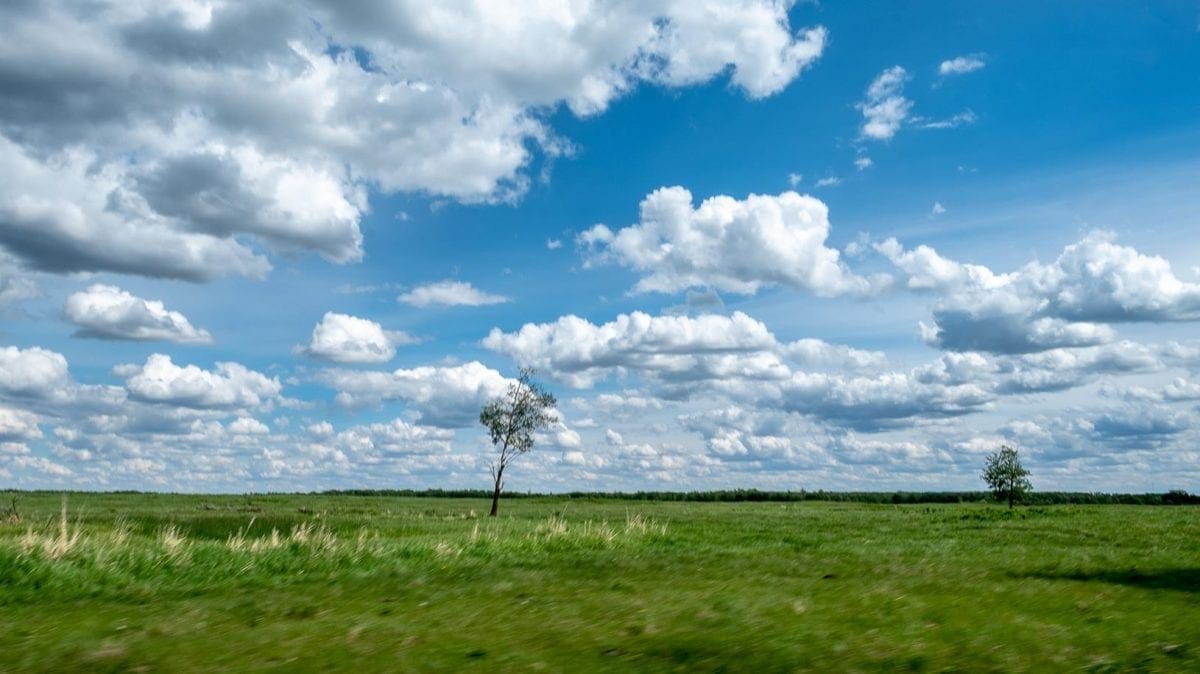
276	246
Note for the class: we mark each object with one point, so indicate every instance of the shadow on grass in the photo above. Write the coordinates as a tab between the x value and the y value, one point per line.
1182	580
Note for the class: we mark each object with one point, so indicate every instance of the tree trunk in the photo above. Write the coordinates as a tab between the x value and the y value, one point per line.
1012	488
496	493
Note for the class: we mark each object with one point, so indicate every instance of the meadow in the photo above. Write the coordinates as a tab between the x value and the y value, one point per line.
139	582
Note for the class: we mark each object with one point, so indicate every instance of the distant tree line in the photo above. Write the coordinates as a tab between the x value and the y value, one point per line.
1174	497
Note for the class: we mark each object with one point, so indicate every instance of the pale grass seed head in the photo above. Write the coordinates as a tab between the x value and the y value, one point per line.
174	542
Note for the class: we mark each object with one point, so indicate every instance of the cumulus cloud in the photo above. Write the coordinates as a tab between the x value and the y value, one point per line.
393	437
450	294
580	352
108	312
18	424
737	434
269	121
670	348
817	353
886	400
69	213
443	396
885	108
627	404
348	339
1112	436
1063	368
228	385
1067	303
248	426
960	65
1178	390
32	372
733	245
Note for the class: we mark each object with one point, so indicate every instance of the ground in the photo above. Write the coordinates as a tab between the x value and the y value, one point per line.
312	583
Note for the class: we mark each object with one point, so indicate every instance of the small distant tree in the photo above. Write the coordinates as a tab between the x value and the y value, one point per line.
1005	475
511	420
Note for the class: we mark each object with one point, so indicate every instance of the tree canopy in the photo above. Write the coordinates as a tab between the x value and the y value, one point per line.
1005	476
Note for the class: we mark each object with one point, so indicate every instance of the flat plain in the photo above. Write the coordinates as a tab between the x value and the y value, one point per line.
319	582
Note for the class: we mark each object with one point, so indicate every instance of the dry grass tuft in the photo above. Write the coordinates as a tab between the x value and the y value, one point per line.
173	541
558	528
636	523
307	535
53	546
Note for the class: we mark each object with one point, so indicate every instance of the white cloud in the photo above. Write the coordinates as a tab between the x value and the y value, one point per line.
443	396
817	353
41	465
70	213
880	401
961	119
863	163
1063	368
228	386
794	179
1177	390
960	65
1069	302
670	348
348	339
937	209
553	244
617	404
580	352
33	372
269	121
396	437
248	426
829	181
885	108
108	312
733	245
321	429
18	424
450	294
734	433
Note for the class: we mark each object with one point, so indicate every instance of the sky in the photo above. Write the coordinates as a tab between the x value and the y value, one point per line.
277	246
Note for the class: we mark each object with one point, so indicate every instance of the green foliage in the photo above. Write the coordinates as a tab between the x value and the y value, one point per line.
512	419
370	583
1005	475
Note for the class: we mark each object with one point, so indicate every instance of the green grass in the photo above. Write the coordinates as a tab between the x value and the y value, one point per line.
310	583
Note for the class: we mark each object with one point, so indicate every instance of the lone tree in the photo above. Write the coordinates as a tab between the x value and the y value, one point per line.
1005	475
511	420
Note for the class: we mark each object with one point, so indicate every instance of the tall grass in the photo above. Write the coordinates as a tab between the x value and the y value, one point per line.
115	556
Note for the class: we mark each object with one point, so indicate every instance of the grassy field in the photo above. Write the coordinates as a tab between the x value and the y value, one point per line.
308	583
